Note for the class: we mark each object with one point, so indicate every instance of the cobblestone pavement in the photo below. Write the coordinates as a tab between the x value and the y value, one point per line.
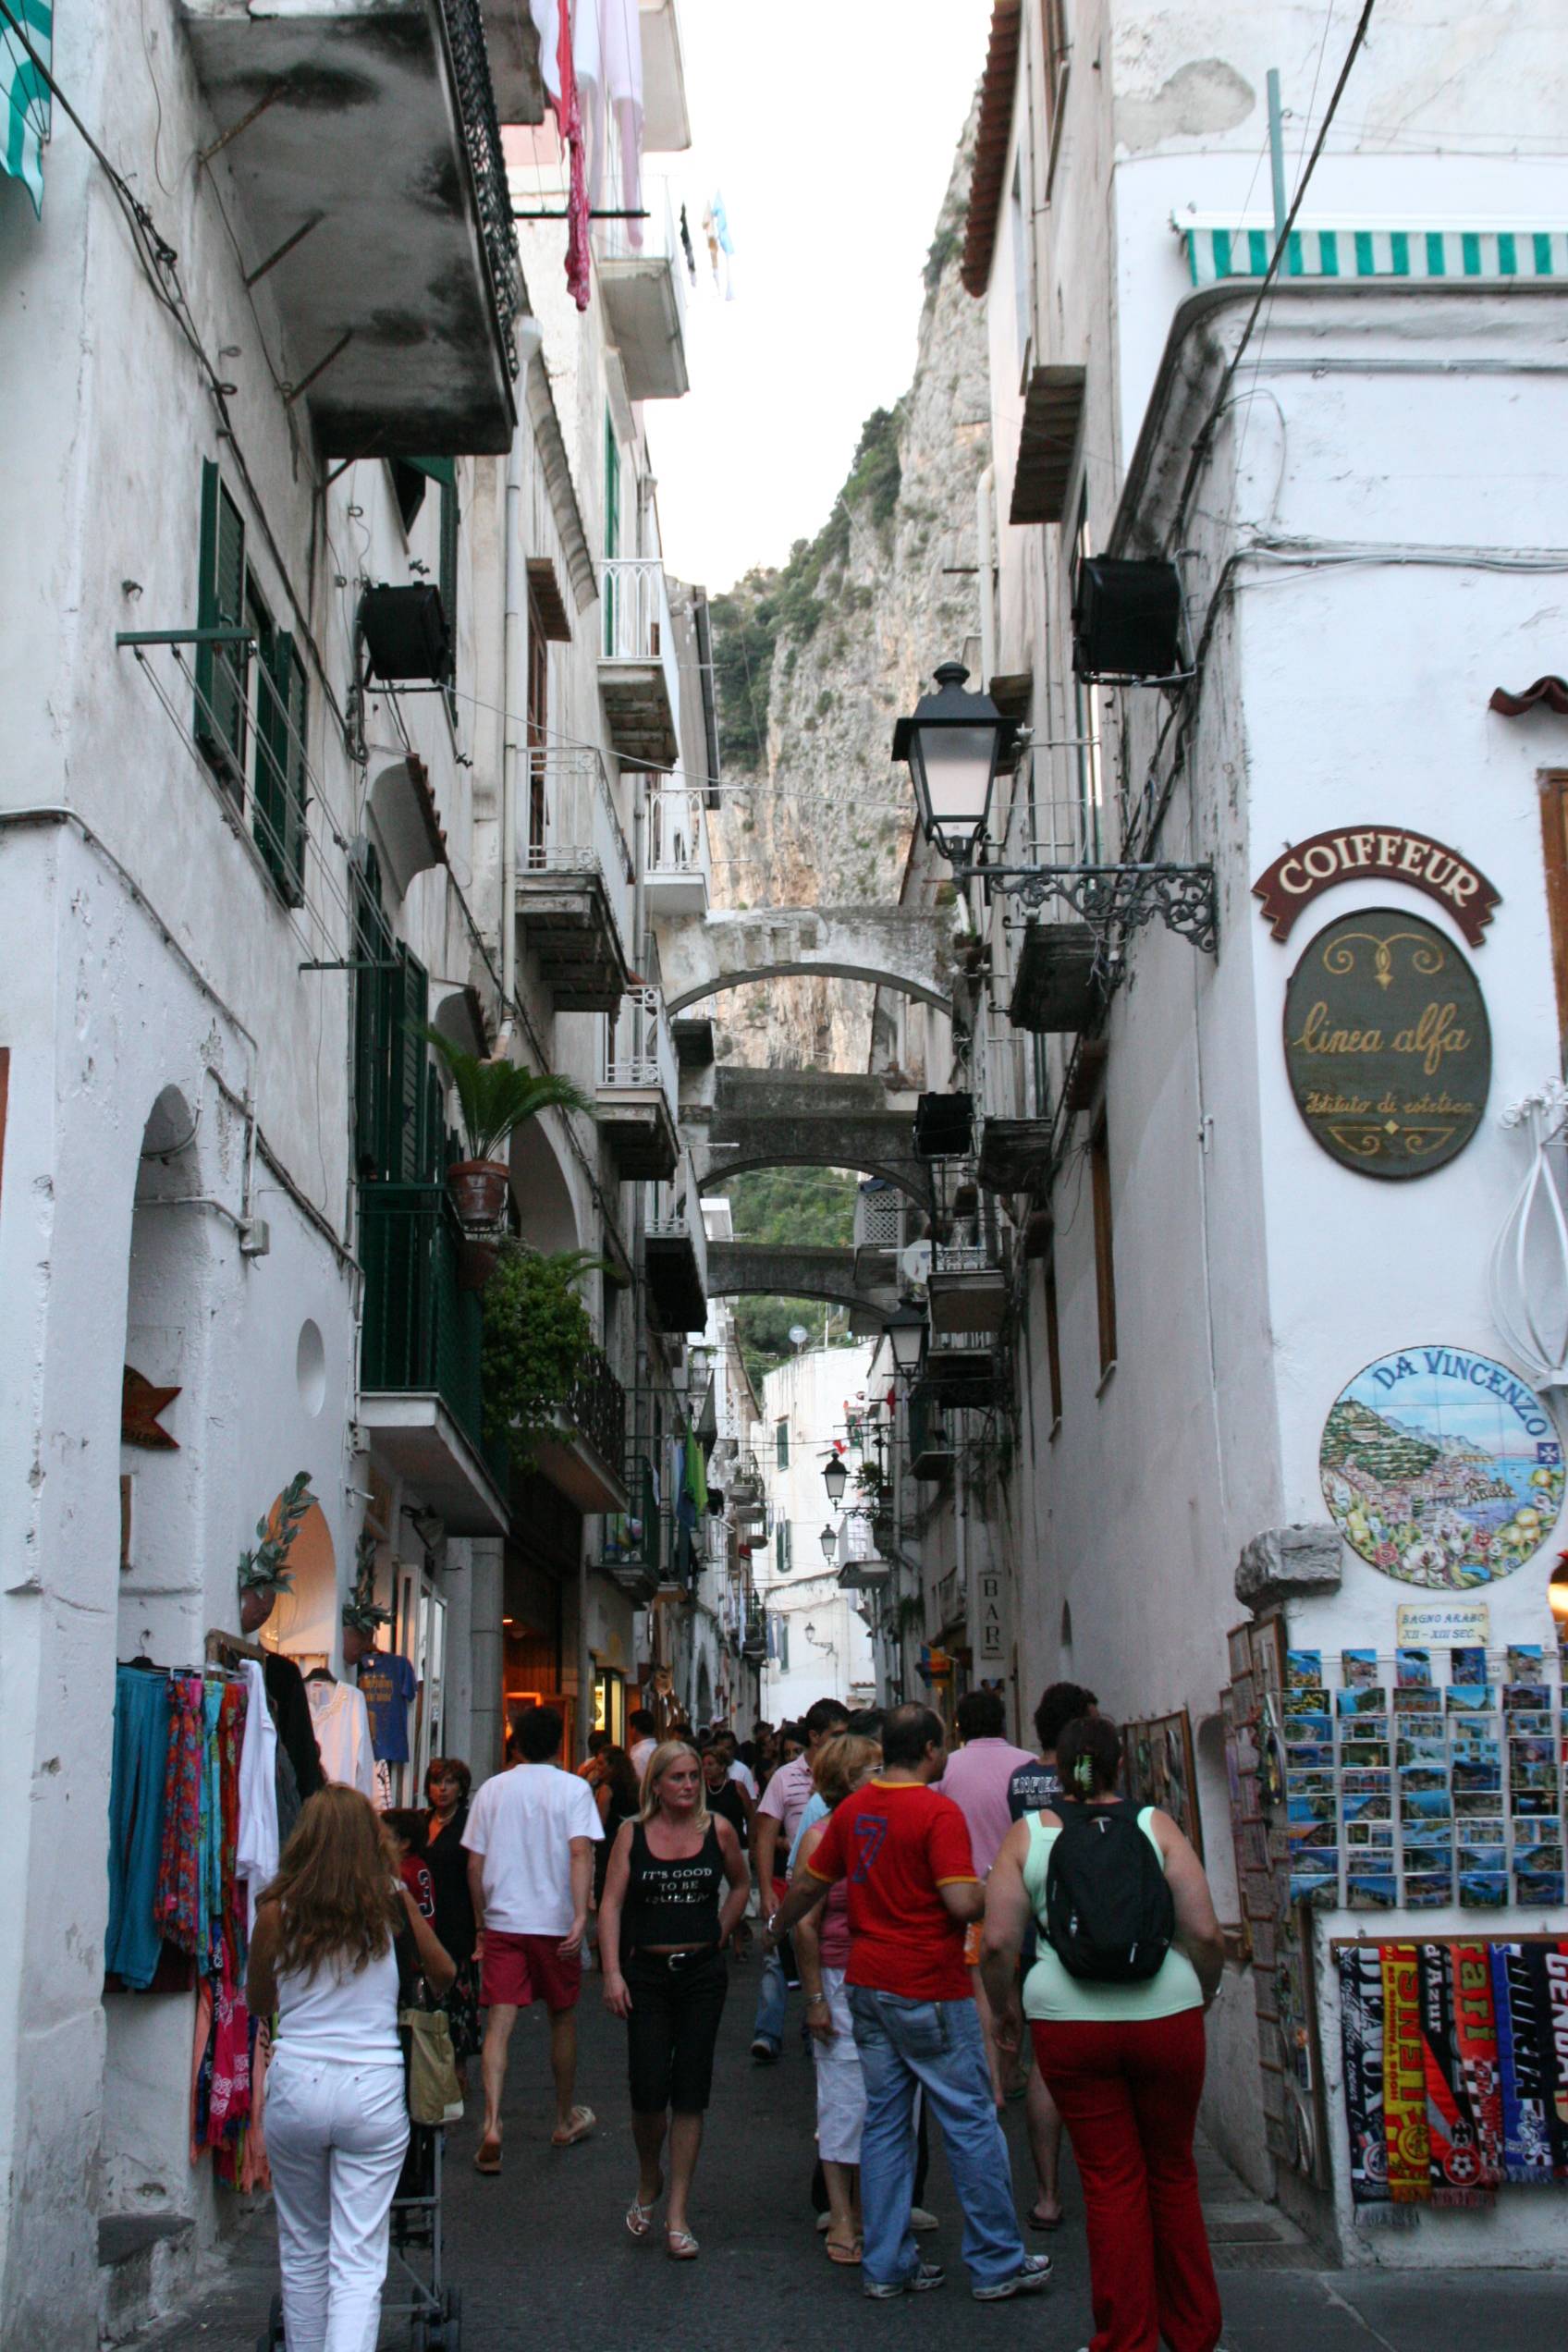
545	2265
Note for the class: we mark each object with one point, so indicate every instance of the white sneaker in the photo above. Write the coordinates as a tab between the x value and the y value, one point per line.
824	2223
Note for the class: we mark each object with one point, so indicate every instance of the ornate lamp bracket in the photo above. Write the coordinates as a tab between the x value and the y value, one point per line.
1115	900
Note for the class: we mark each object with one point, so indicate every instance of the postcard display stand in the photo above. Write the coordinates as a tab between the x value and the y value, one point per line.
1404	1780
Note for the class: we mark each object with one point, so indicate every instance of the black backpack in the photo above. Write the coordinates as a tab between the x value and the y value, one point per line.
1108	1913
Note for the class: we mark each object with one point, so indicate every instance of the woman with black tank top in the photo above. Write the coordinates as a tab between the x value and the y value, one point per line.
676	1885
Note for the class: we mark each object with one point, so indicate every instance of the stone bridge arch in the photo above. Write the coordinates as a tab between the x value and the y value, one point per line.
905	948
766	1269
806	1119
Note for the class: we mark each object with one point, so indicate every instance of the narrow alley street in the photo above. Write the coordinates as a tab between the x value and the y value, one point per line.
544	2263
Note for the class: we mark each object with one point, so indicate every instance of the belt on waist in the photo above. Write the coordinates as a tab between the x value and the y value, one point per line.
672	1959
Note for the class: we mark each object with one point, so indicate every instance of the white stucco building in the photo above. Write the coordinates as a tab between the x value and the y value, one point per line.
1352	485
348	694
813	1409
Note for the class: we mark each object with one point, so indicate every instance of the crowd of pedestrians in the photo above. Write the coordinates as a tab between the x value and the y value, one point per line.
963	1928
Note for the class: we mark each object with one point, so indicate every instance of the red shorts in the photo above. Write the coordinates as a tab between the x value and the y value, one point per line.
519	1969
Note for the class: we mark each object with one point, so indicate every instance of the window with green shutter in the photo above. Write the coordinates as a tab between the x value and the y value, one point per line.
781	1444
278	785
221	671
447	573
396	1110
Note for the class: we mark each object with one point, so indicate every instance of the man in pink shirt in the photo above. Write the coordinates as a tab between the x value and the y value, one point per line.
773	1833
976	1778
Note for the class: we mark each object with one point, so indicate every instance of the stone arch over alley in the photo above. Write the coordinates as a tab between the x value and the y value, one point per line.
898	948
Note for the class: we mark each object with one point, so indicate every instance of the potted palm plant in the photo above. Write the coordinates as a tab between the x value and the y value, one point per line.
496	1098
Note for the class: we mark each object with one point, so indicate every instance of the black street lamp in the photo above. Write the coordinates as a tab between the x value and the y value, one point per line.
952	746
835	1478
906	1336
830	1543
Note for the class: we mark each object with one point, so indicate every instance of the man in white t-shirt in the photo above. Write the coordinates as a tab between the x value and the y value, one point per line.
530	1838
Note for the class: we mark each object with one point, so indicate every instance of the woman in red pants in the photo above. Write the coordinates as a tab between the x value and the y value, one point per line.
1124	2063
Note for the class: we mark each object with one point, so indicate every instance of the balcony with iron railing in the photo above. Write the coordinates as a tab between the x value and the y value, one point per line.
582	1443
421	1402
336	210
638	676
676	1251
574	877
677	878
641	277
638	1089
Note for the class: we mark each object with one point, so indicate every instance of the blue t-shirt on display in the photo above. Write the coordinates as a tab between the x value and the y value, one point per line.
386	1685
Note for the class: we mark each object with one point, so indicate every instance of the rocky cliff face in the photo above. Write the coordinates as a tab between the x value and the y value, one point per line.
817	662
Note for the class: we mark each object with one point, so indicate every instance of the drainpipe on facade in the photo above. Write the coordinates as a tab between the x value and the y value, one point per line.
515	699
961	1538
984	547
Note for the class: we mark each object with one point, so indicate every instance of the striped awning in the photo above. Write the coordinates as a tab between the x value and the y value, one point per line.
1215	251
26	93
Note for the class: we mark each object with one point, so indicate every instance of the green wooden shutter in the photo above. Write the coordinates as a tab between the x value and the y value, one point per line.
220	603
411	1154
448	568
376	995
612	528
279	819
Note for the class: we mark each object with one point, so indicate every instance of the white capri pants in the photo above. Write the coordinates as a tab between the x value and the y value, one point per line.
840	2088
337	2132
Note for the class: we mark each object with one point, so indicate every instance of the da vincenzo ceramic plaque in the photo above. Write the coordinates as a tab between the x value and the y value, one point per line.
1387	1044
1441	1469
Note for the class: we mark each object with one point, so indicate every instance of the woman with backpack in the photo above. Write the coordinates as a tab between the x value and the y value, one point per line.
1129	1957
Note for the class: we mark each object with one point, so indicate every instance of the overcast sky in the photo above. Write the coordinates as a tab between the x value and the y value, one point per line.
828	126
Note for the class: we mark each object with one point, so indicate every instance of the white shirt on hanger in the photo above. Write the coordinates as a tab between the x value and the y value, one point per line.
255	1851
341	1723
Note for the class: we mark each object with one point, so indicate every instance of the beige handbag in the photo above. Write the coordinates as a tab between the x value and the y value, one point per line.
430	2068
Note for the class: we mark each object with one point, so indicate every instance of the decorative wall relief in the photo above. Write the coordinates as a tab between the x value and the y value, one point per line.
1441	1467
1387	1044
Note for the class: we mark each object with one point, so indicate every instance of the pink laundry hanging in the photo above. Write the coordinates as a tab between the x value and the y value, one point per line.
568	114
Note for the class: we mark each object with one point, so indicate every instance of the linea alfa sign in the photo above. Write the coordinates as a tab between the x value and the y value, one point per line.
1379	853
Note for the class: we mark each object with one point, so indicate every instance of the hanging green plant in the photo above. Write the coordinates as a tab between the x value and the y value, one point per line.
537	1339
263	1569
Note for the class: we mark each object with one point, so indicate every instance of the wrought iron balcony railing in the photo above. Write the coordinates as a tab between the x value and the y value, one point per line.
482	131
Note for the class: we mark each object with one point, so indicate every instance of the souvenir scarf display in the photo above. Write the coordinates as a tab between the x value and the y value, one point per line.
176	1871
1530	1989
1455	2071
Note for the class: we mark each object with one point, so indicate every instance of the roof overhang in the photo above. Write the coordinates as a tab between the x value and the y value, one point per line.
1053	411
993	139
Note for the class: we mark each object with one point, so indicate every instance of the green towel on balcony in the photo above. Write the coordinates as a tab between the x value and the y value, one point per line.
697	1475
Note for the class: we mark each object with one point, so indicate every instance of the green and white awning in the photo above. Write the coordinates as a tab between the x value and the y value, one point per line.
1217	250
26	93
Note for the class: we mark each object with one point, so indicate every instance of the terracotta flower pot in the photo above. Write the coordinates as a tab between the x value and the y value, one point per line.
478	1188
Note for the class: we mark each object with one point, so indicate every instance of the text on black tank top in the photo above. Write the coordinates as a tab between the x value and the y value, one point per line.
674	1902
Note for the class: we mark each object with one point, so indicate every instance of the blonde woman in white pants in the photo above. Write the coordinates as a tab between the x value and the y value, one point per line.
322	1957
822	1950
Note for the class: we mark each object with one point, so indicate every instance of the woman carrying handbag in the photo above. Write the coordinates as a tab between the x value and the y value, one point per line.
324	1957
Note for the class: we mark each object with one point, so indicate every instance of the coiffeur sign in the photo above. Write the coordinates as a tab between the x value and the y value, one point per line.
1380	854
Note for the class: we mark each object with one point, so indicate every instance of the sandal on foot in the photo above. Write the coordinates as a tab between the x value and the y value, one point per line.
487	2155
1040	2222
578	2126
680	2246
640	2218
848	2255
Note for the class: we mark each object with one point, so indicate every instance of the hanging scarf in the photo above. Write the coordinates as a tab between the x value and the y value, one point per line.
569	116
1361	2041
177	1903
1526	2139
1475	2033
1404	2080
1453	2162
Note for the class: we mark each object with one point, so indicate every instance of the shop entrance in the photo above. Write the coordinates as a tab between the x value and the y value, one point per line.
539	1606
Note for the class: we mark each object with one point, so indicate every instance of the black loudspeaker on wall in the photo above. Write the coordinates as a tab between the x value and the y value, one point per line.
1126	619
405	632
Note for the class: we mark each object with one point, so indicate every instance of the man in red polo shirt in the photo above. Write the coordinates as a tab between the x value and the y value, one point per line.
904	1852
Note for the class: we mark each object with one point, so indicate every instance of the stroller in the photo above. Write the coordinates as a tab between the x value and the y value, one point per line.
434	2311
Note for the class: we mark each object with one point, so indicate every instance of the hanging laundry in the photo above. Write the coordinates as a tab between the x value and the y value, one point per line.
621	40
553	21
720	241
256	1848
686	246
